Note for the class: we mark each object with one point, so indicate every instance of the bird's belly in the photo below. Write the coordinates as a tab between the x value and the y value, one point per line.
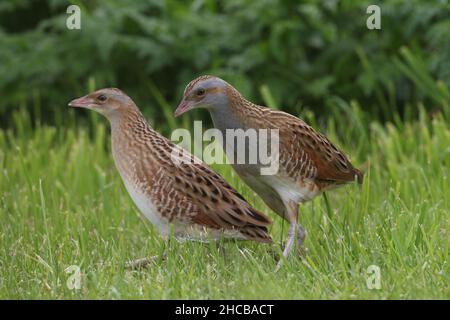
293	191
286	189
147	208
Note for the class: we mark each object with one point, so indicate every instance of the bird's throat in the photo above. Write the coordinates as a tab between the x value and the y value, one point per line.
224	118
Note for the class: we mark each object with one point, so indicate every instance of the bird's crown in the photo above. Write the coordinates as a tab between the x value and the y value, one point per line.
194	82
114	91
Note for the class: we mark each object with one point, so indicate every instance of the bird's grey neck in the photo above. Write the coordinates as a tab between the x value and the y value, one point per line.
223	118
227	121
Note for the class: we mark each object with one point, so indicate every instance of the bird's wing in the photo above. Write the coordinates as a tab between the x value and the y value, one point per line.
210	201
308	153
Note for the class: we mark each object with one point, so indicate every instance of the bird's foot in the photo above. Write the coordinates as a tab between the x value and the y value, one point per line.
301	234
141	263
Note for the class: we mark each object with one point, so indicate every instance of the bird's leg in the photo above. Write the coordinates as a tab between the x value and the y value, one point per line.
301	234
221	248
288	246
291	215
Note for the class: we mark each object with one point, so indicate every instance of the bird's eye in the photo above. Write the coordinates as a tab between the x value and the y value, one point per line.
200	92
101	97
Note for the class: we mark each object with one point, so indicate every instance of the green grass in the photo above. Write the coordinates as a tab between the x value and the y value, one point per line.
62	203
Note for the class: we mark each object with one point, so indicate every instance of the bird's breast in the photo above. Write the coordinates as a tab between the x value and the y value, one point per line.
135	168
144	202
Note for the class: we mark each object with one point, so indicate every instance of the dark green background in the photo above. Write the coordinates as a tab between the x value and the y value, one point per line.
311	55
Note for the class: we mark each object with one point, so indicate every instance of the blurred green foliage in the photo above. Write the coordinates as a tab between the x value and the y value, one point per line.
311	55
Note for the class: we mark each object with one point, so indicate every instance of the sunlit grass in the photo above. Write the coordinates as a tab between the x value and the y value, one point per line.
62	203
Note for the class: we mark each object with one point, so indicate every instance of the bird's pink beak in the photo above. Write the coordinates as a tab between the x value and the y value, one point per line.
82	102
183	107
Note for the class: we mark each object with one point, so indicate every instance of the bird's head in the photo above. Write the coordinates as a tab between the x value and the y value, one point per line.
108	102
204	92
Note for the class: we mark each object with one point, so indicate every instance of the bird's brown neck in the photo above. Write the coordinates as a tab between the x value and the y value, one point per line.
240	112
134	143
125	115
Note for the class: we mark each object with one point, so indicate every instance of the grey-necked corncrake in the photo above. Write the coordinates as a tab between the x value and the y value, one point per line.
308	162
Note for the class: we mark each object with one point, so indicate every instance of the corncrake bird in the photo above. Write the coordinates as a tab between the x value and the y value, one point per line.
169	185
308	162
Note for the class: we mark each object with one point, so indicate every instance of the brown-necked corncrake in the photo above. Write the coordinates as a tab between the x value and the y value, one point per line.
169	185
308	162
